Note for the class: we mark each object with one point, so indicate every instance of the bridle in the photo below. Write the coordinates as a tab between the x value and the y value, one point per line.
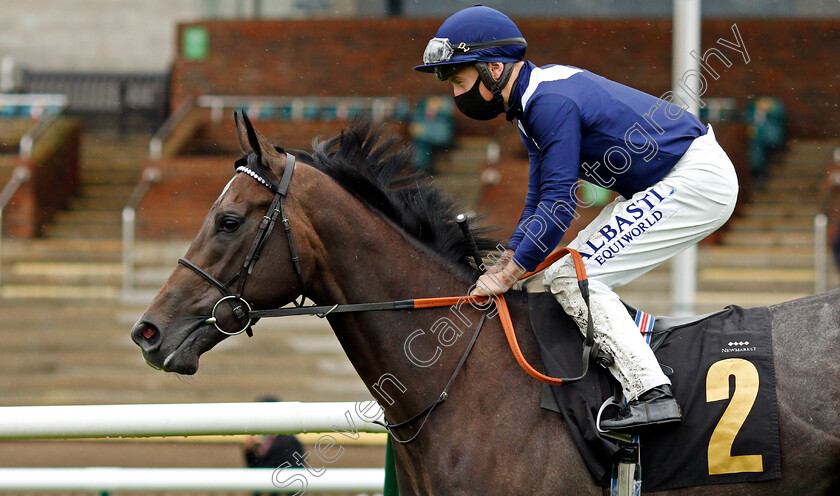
241	308
245	314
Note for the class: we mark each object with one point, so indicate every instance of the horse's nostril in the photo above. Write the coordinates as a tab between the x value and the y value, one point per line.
146	335
149	332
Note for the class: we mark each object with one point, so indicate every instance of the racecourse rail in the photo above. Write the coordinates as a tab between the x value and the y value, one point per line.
190	419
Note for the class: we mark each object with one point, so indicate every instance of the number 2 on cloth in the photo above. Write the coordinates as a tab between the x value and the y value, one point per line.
721	460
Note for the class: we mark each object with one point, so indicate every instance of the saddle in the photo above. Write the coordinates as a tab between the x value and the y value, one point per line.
722	373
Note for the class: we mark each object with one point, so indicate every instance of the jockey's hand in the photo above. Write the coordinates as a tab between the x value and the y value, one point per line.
501	263
498	283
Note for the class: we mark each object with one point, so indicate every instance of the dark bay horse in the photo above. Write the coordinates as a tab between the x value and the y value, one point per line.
364	231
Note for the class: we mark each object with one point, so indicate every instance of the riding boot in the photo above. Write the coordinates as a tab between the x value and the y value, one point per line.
653	407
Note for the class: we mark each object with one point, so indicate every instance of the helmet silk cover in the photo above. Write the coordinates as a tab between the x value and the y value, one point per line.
474	34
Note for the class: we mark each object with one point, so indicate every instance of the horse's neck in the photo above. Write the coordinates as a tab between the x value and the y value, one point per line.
368	260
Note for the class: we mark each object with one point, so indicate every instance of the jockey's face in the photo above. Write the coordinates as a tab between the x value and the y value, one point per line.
463	81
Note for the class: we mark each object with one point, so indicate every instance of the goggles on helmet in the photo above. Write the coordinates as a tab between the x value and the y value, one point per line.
441	50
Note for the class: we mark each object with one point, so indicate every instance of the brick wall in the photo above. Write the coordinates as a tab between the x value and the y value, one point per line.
795	60
54	178
215	138
176	207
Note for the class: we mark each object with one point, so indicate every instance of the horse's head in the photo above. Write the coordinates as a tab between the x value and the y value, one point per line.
206	298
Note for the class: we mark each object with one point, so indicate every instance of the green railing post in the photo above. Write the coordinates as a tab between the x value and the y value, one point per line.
390	488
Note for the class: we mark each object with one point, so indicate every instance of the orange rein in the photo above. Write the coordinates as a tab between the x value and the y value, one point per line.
504	313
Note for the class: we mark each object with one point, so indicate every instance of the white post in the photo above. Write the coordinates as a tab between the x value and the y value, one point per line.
128	219
1	246
155	148
686	39
820	259
217	110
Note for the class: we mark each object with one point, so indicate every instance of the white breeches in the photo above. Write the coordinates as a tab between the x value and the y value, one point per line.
632	236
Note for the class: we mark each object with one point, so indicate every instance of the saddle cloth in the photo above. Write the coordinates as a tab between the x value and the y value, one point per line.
723	378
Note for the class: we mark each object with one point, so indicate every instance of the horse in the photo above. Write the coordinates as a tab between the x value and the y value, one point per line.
360	227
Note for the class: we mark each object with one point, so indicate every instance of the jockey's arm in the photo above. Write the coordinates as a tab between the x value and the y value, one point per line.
556	135
553	123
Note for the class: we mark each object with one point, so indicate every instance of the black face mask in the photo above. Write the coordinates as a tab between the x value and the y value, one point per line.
474	106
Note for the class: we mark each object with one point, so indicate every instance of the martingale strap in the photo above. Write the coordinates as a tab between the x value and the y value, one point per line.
426	412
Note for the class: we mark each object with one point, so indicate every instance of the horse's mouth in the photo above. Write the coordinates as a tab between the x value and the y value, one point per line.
184	358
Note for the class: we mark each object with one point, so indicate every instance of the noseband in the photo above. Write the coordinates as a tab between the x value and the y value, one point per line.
241	308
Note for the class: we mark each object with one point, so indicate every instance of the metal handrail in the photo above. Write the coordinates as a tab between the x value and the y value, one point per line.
150	176
171	123
27	141
217	103
20	175
33	99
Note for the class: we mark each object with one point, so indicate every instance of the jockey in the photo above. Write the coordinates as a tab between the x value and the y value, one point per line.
676	185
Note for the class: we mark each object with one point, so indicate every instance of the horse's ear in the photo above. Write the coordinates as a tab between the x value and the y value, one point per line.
260	145
242	134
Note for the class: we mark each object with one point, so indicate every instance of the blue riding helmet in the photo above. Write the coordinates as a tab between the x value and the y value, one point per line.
474	34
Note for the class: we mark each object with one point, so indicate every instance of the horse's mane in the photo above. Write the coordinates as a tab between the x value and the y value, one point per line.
379	171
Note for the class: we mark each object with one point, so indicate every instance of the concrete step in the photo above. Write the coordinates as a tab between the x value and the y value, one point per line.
801	223
732	279
706	301
754	257
804	200
80	352
68	250
472	141
789	188
720	299
795	241
77	383
781	210
803	172
109	176
464	188
778	229
88	217
107	191
459	166
814	159
811	143
64	273
89	165
778	181
110	169
53	361
756	280
85	230
42	292
87	203
148	253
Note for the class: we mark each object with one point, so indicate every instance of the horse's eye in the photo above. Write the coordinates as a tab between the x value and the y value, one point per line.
229	225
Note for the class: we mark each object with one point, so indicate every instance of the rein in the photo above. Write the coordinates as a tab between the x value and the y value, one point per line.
246	315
